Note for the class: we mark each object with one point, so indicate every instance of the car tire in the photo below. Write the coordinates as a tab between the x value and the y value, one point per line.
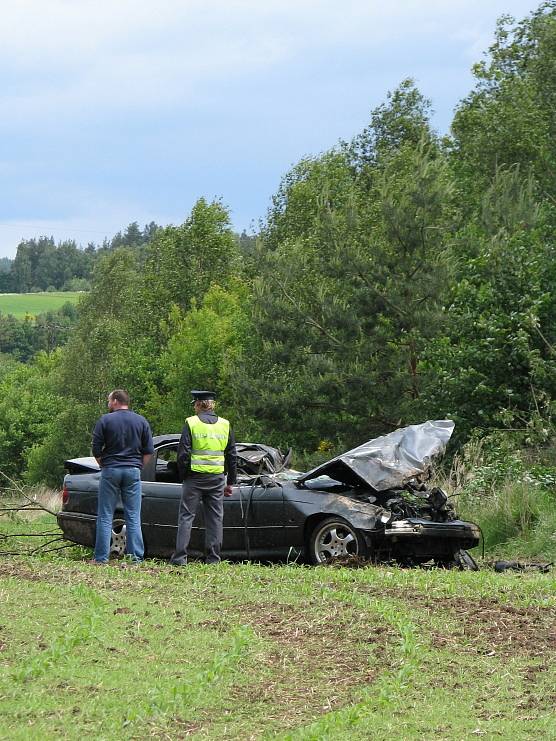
332	538
118	540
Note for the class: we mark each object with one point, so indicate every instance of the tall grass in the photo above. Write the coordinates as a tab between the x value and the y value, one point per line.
517	520
28	503
513	502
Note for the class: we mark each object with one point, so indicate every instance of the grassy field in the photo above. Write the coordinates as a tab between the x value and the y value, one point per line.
20	304
245	651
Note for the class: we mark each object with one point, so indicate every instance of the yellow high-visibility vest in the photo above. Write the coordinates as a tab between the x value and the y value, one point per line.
208	443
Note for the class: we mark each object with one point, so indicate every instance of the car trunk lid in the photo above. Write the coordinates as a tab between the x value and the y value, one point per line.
82	465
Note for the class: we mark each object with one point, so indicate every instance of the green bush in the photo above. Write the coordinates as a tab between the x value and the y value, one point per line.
499	486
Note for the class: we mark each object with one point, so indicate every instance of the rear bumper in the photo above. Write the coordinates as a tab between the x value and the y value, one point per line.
78	528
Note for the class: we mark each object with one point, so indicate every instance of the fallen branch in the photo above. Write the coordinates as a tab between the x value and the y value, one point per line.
43	545
59	548
32	501
28	504
24	507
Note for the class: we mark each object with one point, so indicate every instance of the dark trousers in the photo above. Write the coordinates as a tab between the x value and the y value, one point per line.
207	488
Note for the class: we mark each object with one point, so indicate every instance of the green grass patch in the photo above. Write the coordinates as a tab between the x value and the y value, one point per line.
518	520
23	304
246	651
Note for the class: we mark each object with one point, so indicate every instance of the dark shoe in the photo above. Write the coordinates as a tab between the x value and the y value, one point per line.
97	563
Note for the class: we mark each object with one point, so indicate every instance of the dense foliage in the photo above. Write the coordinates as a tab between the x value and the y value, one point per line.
398	276
24	338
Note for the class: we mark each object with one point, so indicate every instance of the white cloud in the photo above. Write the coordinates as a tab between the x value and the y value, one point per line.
125	53
115	109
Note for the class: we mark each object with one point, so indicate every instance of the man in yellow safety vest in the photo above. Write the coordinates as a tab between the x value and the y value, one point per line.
207	464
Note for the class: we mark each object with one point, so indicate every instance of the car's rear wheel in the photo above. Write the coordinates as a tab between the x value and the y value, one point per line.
334	537
118	539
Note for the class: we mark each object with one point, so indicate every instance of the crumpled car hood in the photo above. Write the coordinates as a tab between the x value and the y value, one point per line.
390	461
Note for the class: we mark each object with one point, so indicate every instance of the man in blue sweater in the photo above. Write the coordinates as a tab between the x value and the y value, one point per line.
122	444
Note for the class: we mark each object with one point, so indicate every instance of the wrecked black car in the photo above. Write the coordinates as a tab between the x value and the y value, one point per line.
370	502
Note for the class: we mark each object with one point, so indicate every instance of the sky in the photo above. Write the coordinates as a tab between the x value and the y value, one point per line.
113	111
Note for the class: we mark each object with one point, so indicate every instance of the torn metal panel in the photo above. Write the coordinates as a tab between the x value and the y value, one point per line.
161	440
357	510
390	461
255	459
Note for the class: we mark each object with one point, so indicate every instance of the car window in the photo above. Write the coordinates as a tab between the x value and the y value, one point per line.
166	468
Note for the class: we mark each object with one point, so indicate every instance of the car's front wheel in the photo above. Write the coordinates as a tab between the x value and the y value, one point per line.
334	537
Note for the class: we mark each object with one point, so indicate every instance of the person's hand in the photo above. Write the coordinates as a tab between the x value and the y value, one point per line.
227	490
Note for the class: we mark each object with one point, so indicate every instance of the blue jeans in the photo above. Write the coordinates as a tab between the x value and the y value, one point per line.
116	481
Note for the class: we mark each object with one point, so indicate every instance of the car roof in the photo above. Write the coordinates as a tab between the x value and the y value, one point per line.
159	440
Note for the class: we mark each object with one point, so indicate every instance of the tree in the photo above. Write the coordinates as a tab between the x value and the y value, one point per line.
106	350
22	269
182	262
508	118
404	119
67	436
204	348
29	405
494	364
353	273
106	331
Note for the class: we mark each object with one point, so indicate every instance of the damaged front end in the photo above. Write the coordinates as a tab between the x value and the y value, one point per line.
411	524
